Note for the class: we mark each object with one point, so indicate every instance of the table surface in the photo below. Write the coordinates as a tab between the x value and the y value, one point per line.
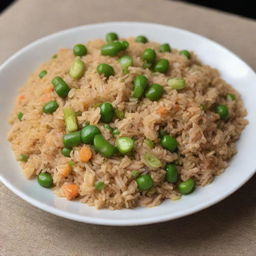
228	228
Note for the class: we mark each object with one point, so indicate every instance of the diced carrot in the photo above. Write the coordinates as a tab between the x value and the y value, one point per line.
70	190
48	89
85	154
162	111
46	97
22	97
66	170
47	94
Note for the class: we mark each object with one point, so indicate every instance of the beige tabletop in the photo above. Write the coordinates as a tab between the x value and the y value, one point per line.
228	228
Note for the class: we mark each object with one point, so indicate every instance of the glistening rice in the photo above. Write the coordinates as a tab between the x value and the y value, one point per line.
205	142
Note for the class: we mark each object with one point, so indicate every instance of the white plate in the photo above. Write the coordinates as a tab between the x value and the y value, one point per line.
14	72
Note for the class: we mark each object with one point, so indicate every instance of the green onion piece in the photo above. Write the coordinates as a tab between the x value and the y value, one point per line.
162	132
70	119
147	64
125	62
55	56
231	97
119	114
125	144
96	105
116	132
23	158
151	161
77	68
177	83
71	163
108	127
85	123
149	143
78	113
135	173
203	107
20	115
42	74
99	185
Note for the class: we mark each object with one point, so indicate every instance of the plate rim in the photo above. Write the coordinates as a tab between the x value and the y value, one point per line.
121	222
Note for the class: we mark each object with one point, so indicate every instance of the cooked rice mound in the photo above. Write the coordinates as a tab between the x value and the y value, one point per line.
205	142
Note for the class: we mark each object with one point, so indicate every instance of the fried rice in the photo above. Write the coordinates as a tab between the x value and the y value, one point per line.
206	143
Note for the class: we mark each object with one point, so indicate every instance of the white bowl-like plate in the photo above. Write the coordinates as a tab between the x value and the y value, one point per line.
14	72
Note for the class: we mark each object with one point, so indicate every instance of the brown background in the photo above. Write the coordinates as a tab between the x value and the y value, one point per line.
228	228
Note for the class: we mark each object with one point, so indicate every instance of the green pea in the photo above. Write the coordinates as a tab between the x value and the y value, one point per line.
149	143
177	83
151	161
105	70
72	139
222	111
66	152
45	180
102	146
111	36
50	107
162	66
141	39
77	69
99	185
125	144
88	133
186	187
112	49
107	112
23	158
140	84
116	132
185	53
55	56
135	173
20	115
124	44
144	182
42	74
165	48
79	50
149	55
171	173
125	62
168	142
154	92
231	97
60	87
